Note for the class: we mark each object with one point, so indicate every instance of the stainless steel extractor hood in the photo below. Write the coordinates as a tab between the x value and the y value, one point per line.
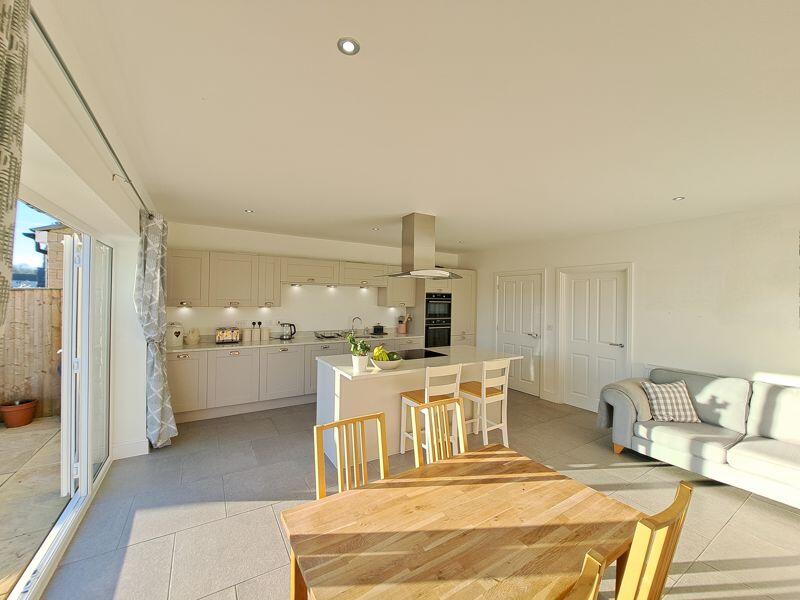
419	249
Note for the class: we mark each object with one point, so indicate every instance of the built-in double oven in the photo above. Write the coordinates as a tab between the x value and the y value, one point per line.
438	312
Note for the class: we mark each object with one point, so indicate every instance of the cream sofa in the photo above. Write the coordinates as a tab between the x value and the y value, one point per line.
749	436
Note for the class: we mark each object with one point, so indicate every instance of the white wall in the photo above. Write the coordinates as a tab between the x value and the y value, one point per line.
309	307
716	294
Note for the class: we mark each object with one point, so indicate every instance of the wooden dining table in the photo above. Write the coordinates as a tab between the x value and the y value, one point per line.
485	524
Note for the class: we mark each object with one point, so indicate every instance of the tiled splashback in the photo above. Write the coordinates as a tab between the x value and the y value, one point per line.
310	308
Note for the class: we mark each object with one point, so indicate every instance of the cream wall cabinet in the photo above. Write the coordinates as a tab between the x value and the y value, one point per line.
282	372
311	271
187	377
462	340
437	286
353	273
463	307
232	377
233	279
269	281
399	292
312	352
187	277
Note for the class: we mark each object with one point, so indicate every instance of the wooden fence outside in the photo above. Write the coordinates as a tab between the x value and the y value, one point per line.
29	359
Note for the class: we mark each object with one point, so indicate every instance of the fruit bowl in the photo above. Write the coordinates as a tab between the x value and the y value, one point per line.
386	365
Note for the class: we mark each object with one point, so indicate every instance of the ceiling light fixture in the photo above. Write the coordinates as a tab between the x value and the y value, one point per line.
331	286
249	211
376	228
678	198
348	46
295	285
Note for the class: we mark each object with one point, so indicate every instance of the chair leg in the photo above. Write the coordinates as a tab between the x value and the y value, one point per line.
504	417
428	443
485	425
618	449
402	427
454	435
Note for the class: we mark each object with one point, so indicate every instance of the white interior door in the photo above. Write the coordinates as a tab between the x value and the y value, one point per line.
595	325
519	328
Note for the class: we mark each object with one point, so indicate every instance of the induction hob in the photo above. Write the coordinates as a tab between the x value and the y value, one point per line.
419	353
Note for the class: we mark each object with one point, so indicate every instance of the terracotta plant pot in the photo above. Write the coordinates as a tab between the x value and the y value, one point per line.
18	414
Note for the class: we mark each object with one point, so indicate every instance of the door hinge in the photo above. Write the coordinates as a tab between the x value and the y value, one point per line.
75	470
76	365
77	259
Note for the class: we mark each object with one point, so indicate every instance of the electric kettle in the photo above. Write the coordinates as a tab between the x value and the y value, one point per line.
288	331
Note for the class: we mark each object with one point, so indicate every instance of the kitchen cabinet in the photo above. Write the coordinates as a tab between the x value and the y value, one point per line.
409	343
438	286
463	303
282	372
269	281
233	279
187	377
232	376
187	277
353	273
307	270
462	340
312	352
399	292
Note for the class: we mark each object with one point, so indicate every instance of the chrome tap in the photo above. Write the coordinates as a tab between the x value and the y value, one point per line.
353	324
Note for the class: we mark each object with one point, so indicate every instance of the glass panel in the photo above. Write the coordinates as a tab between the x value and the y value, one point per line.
100	355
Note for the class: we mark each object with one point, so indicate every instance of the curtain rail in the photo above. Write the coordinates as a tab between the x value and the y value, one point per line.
89	112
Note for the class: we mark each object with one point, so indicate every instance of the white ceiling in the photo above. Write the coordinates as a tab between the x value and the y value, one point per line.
510	121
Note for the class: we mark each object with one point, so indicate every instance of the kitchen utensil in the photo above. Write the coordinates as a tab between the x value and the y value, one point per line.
174	334
377	330
228	335
288	331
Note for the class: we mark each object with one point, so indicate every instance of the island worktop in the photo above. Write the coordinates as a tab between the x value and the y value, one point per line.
342	394
453	355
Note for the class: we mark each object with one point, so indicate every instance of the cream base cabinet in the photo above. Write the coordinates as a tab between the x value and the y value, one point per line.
353	273
462	340
312	352
269	281
308	270
232	377
187	277
233	279
399	292
282	372
409	343
187	378
463	303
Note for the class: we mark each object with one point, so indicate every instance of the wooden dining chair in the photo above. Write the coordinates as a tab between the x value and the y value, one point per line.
652	550
437	430
350	437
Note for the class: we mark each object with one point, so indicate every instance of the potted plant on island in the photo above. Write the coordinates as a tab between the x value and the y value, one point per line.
360	351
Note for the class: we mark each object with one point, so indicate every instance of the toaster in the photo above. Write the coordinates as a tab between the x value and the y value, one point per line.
228	335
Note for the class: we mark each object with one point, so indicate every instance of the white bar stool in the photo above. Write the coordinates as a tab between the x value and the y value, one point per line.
492	388
433	391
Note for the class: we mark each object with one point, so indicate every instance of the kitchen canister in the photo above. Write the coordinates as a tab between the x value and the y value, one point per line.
191	337
247	335
255	335
174	334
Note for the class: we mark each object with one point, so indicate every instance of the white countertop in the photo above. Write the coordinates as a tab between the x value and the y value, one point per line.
299	340
464	355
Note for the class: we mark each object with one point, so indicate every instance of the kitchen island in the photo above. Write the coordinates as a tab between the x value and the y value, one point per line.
341	393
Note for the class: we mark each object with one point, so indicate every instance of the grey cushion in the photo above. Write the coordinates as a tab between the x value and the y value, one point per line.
703	440
767	457
775	412
718	400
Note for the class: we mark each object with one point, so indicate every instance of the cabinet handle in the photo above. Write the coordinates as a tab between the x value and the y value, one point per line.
234	353
284	350
183	356
325	347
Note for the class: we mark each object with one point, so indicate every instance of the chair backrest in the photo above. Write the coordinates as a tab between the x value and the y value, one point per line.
588	585
434	384
653	548
350	437
495	374
438	429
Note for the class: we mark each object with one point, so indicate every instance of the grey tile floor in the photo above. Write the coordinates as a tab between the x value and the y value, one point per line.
199	519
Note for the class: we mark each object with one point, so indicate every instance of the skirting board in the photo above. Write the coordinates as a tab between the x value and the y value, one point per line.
128	449
239	409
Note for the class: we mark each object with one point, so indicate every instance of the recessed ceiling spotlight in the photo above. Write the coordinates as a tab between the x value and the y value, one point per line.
376	228
678	198
348	46
460	242
249	211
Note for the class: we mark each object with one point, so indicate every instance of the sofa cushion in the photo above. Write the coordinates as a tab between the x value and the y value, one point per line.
775	412
703	440
670	402
767	457
720	401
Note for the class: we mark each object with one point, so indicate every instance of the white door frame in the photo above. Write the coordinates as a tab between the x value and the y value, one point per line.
561	305
543	341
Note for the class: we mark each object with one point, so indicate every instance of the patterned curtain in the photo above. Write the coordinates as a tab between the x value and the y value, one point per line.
151	307
13	67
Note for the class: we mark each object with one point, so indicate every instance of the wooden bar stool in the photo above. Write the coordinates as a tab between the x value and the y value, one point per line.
492	388
436	390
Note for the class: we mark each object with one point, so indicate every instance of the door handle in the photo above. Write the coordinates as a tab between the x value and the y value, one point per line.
181	356
234	353
534	335
617	345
